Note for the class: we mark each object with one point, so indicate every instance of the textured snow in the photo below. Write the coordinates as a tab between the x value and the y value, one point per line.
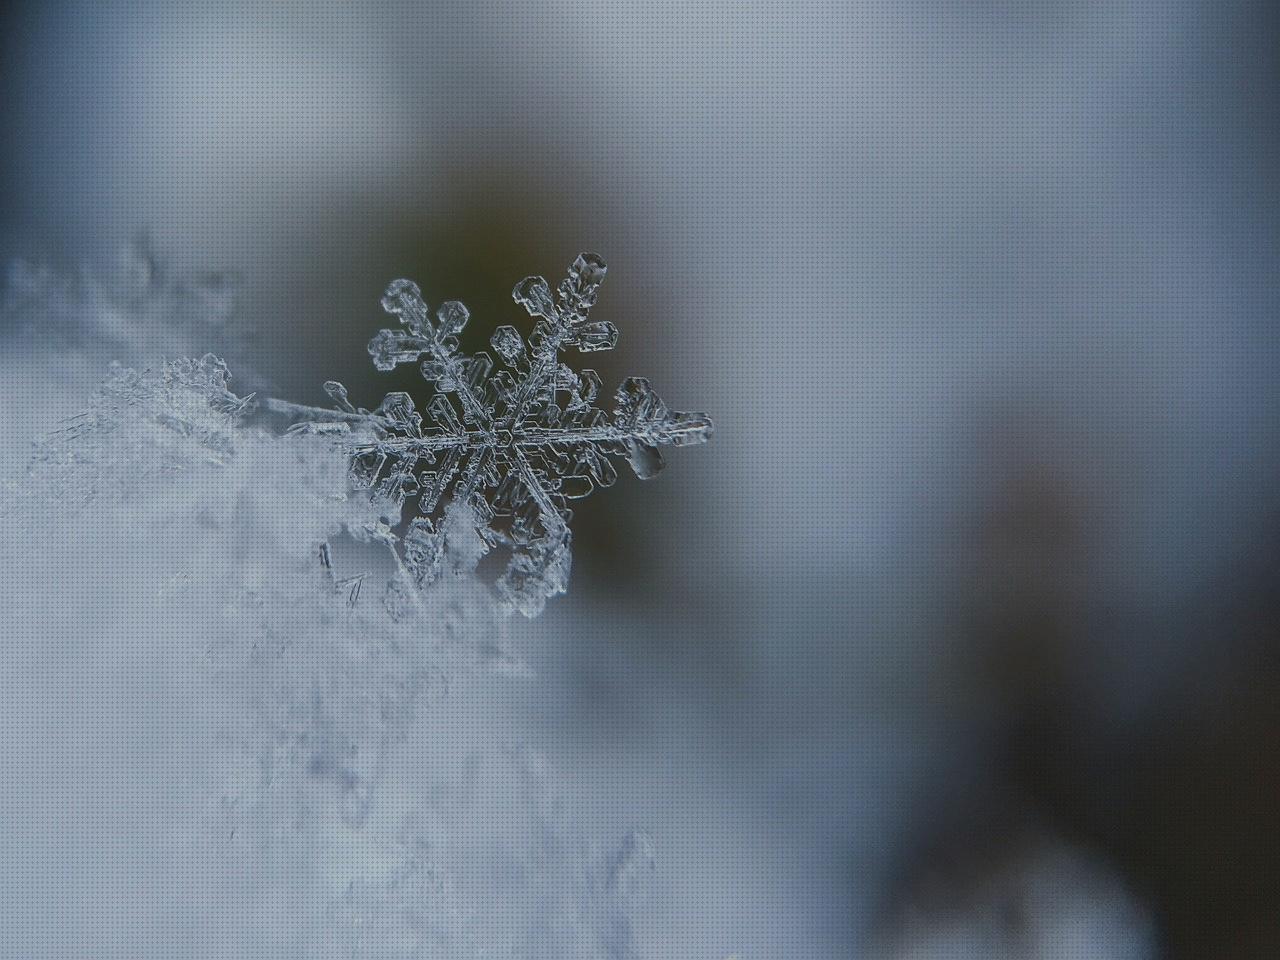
208	625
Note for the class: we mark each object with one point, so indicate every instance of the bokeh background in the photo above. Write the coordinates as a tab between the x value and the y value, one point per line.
960	638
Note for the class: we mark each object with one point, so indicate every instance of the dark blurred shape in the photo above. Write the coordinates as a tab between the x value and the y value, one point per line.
1004	887
1181	806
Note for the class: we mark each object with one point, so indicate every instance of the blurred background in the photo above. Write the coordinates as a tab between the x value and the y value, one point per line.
960	638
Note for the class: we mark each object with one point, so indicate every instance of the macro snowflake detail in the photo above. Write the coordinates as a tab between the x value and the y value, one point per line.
514	445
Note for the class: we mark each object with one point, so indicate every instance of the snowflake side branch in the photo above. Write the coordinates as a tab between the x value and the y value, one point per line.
304	413
404	299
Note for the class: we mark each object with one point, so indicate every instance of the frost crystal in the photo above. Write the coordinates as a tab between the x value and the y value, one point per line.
139	426
515	444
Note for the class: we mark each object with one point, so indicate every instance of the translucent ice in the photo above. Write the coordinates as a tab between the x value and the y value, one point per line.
514	445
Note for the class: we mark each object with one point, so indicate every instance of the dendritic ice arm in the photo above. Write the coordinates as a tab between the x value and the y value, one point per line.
513	444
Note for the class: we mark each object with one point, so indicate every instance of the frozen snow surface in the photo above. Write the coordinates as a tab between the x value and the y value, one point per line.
229	705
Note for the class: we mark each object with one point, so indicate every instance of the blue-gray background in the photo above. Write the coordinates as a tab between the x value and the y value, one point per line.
967	617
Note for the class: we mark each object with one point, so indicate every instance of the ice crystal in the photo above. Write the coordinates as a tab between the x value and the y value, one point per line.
141	425
515	444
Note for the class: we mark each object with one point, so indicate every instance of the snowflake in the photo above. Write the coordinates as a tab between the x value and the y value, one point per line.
513	445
